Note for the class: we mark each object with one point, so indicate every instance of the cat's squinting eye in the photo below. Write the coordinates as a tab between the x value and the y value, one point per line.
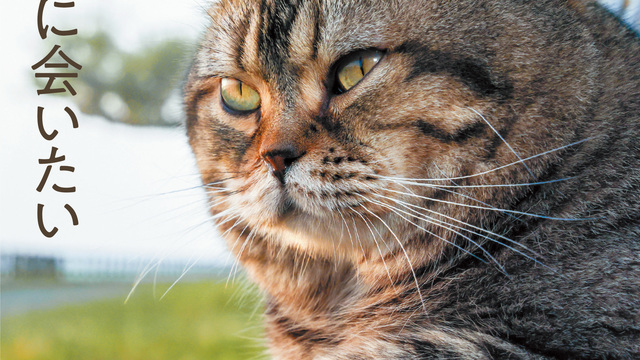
238	96
353	68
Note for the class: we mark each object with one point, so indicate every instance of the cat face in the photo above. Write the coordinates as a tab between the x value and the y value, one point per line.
350	127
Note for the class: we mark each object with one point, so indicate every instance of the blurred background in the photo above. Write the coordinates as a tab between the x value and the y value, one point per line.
144	275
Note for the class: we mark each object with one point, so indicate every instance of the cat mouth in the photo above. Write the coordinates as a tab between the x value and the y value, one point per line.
299	198
287	207
291	207
284	206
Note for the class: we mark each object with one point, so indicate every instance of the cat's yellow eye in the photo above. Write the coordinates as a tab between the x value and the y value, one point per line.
237	96
354	67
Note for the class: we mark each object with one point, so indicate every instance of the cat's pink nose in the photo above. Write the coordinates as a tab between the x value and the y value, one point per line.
280	159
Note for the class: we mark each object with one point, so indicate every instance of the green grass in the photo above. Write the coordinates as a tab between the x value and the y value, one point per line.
193	321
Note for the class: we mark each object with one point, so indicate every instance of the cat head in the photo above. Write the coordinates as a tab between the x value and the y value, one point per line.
348	127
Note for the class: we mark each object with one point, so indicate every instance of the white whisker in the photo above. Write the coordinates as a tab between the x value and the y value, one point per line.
408	206
440	224
347	226
504	141
377	245
233	272
184	272
415	278
491	170
434	235
488	208
406	182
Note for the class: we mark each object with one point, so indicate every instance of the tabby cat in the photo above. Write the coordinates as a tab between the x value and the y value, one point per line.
427	179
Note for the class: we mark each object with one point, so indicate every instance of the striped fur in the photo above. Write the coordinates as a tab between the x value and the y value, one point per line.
475	196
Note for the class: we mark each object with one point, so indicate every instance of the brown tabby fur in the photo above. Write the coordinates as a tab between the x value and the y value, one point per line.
391	236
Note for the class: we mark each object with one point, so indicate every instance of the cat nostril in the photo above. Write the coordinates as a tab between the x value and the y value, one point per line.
280	160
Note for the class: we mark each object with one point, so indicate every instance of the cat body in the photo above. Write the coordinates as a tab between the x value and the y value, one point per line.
474	195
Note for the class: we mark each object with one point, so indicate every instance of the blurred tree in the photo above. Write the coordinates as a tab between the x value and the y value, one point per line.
141	88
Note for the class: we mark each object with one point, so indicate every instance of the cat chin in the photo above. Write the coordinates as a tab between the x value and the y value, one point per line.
326	235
